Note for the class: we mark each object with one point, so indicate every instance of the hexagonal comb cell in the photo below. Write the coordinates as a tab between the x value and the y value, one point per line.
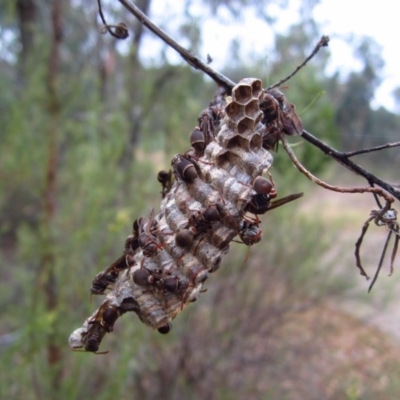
246	124
257	88
238	141
235	112
252	111
242	93
243	112
247	89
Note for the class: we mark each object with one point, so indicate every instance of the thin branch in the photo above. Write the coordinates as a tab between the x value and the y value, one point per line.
380	262
323	42
371	149
121	30
303	170
191	59
375	196
352	166
358	246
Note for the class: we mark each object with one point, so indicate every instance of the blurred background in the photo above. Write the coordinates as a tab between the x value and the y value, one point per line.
86	122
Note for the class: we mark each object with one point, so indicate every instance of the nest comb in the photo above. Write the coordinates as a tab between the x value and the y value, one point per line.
162	270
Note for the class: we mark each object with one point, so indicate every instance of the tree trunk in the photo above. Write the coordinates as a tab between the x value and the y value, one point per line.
26	14
48	257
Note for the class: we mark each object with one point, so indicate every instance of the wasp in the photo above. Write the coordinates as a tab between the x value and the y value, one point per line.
199	222
185	168
165	178
100	324
279	117
109	276
147	240
261	202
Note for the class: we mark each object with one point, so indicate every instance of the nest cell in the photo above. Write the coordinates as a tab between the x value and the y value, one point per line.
253	111
245	125
234	112
242	93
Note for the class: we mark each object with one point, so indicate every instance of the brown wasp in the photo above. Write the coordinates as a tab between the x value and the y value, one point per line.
261	202
109	276
185	168
198	141
207	118
100	324
185	237
93	338
102	280
199	277
132	241
270	137
146	277
203	134
106	316
289	120
279	117
199	222
148	230
165	328
250	233
165	178
165	282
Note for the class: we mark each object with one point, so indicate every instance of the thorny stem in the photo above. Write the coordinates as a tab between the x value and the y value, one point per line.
191	59
221	80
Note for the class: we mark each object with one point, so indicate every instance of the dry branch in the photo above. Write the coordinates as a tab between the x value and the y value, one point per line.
191	59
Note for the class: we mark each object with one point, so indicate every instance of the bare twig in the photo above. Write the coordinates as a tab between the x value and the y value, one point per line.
121	30
380	263
352	166
323	42
371	149
302	169
358	247
191	59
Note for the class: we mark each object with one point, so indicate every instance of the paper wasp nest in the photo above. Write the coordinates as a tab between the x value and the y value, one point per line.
170	255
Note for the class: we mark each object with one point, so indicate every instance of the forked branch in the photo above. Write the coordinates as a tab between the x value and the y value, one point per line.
369	189
343	158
